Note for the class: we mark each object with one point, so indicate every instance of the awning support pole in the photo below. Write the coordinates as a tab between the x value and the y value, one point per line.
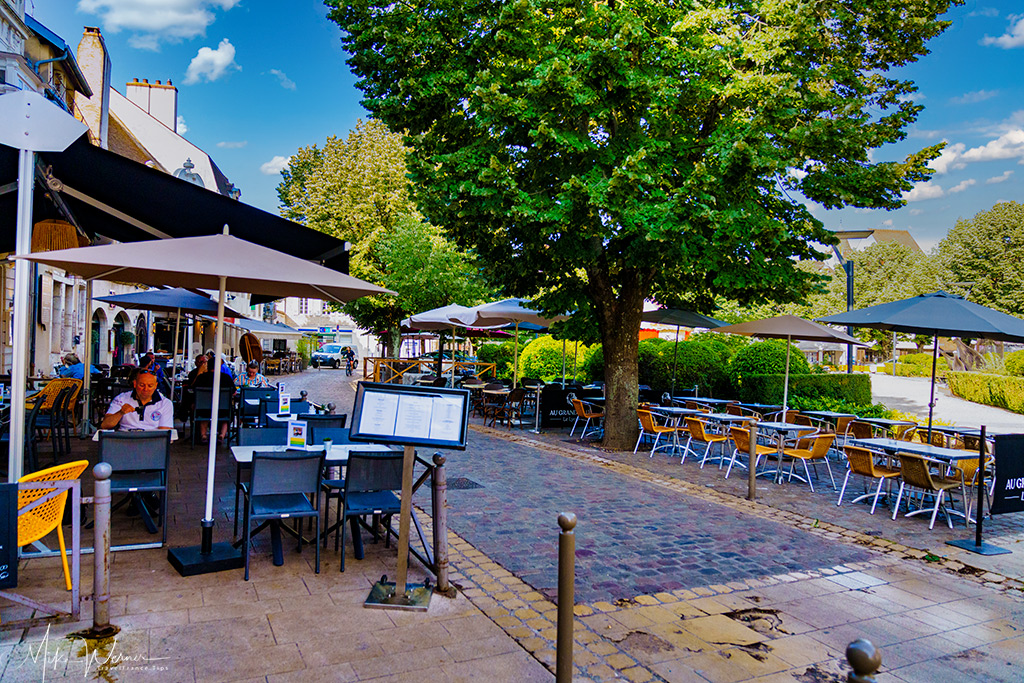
22	284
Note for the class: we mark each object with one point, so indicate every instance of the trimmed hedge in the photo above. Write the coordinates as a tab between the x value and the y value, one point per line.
1014	363
993	390
855	389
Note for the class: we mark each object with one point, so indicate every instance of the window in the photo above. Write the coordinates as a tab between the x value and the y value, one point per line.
303	306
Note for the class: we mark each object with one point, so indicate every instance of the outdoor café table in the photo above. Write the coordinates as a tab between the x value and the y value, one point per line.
827	415
287	417
713	403
950	456
953	431
782	431
494	394
761	408
676	415
338	456
885	423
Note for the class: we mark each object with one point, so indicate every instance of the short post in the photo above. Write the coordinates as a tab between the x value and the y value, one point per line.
865	660
439	494
101	627
566	596
752	462
331	408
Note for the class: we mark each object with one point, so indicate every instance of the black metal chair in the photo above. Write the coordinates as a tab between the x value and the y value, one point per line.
54	420
269	406
282	486
203	407
139	461
250	414
254	436
368	489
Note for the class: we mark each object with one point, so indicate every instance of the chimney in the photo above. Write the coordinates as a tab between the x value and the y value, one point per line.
94	61
159	100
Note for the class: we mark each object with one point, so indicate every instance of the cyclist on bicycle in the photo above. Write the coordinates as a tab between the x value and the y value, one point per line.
350	360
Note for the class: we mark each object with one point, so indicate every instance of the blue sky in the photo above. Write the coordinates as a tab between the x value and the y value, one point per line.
258	79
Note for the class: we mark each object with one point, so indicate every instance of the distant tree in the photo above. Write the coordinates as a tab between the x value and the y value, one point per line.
604	153
986	255
356	189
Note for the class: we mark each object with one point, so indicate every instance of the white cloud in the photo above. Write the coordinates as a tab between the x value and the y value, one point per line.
1009	145
984	12
948	158
999	178
962	185
974	97
916	212
233	145
1014	36
210	64
154	21
922	191
179	126
275	165
887	223
286	83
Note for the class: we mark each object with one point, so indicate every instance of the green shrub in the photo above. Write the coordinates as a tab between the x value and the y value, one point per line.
592	364
923	360
654	365
1014	363
499	354
765	358
994	390
542	358
854	389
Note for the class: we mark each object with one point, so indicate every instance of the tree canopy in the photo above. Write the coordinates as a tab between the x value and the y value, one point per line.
985	254
602	153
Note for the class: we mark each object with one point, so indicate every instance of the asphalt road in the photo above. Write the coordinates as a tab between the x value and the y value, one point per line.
910	394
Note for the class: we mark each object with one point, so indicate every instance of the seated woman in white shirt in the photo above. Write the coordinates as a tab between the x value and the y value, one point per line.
141	408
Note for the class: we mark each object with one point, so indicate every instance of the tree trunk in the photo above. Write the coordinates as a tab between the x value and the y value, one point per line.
619	317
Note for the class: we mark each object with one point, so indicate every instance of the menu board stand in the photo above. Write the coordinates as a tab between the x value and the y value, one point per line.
408	416
1009	453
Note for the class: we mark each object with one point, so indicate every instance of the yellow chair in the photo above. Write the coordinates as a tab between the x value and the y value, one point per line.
862	462
697	433
741	439
47	516
48	394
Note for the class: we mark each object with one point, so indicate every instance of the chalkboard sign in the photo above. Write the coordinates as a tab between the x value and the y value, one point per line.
8	536
410	415
1009	491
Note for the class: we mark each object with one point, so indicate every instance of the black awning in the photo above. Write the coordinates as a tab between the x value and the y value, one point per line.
165	203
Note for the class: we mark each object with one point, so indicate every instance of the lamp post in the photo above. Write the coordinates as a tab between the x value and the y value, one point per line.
848	269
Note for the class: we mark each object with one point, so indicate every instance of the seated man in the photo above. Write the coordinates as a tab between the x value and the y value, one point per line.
74	368
253	377
142	408
148	363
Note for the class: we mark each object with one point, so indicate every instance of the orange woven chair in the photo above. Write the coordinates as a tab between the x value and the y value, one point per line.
697	433
649	426
48	394
862	462
741	439
47	516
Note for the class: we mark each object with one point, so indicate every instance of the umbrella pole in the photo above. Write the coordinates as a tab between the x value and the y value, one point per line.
563	363
515	358
174	356
675	355
211	462
22	282
785	386
931	399
86	425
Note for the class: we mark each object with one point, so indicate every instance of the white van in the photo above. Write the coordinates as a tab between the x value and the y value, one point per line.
329	355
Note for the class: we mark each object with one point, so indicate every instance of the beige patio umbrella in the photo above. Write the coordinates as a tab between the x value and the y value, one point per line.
218	262
788	327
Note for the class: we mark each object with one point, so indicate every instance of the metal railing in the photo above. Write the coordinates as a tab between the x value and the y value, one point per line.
393	370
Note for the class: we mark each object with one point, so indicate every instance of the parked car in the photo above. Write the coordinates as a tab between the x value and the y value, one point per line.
329	355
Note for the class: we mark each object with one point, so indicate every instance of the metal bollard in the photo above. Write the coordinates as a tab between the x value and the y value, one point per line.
331	408
439	498
865	659
752	462
101	627
566	596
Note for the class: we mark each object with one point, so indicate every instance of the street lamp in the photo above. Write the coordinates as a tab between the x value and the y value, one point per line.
848	267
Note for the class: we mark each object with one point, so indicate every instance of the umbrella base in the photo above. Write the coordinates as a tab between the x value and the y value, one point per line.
191	561
983	549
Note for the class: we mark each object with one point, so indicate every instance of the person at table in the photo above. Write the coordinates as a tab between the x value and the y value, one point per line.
253	377
74	368
205	379
148	364
141	408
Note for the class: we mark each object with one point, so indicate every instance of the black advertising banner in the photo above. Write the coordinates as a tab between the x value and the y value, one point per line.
8	536
1009	490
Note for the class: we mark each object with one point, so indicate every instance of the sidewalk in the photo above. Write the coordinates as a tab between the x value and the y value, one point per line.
797	580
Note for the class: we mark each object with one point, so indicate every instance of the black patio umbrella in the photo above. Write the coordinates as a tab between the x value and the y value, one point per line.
940	315
679	318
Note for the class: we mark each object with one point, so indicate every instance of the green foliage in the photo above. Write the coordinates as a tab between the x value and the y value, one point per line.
592	363
1014	363
838	405
542	358
923	360
501	355
987	251
994	390
854	389
766	358
126	338
601	154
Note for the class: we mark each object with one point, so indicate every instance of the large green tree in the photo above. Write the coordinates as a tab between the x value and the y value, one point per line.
985	254
604	152
357	190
